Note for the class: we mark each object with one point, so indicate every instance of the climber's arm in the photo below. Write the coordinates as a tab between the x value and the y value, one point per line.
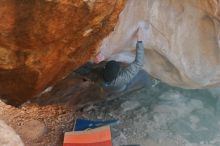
128	73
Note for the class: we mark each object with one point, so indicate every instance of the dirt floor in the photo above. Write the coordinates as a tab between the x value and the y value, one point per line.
38	125
44	120
154	115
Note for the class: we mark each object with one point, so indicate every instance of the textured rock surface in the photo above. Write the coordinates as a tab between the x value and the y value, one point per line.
8	136
182	40
38	129
41	41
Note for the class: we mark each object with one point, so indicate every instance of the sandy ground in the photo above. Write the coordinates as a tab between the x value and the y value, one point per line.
154	115
38	125
44	120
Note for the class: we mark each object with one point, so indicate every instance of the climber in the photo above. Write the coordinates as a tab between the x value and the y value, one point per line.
116	78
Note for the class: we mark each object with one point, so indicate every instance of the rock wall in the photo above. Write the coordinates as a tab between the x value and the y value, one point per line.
8	136
182	44
42	41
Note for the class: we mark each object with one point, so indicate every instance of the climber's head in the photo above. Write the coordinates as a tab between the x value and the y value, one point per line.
111	71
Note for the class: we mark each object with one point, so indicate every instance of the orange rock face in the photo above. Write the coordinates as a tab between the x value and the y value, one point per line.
41	41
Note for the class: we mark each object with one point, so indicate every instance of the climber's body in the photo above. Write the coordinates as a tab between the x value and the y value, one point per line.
116	78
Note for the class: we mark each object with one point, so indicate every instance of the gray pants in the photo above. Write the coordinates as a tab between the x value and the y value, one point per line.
142	79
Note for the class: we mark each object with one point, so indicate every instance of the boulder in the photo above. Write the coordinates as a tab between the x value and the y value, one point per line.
8	136
182	40
42	41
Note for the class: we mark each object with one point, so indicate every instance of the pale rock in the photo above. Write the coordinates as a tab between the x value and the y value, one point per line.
8	136
181	40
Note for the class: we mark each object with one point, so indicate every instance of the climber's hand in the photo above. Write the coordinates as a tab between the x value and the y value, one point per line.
99	58
140	34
